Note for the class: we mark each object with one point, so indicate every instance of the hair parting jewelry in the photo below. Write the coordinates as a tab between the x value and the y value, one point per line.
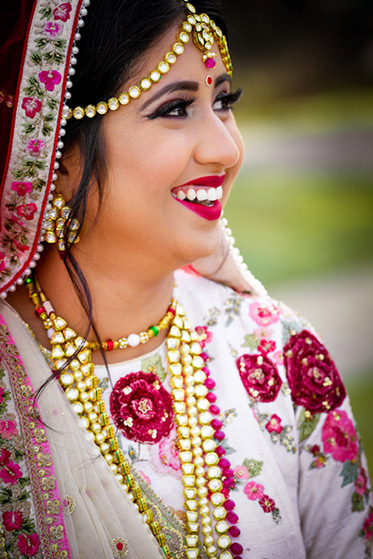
207	476
203	30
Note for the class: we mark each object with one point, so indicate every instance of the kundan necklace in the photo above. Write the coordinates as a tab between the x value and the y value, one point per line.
207	476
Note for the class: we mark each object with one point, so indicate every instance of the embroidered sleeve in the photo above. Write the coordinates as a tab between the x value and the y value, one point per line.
334	489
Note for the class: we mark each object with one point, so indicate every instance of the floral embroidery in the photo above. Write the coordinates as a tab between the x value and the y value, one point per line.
253	490
120	548
62	12
69	504
313	377
165	456
232	308
28	544
367	533
53	29
264	314
22	188
31	106
8	428
10	473
339	436
259	376
35	147
27	210
12	520
141	407
361	483
50	78
266	346
2	261
320	460
274	424
205	335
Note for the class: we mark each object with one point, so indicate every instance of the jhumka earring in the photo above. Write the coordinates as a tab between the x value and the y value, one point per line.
60	228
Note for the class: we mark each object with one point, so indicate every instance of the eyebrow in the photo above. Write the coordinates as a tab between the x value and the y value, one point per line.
182	86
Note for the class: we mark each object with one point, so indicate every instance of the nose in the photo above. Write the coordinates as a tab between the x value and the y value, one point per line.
219	142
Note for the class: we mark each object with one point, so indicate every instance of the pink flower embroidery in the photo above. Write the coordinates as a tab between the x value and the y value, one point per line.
10	473
4	456
27	210
278	357
31	106
22	188
259	376
147	478
361	483
62	11
313	377
141	408
368	526
263	333
8	429
12	520
1	394
241	472
264	314
50	79
165	456
274	424
35	147
339	436
53	29
266	346
267	504
205	335
28	544
253	490
2	261
20	247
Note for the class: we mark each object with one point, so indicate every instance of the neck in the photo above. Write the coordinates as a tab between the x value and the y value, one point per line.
125	300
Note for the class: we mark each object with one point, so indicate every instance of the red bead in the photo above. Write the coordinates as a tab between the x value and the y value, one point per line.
228	472
232	517
39	311
229	504
204	356
210	63
216	424
223	462
234	531
211	397
109	344
220	451
120	546
236	548
219	435
210	383
229	483
171	310
215	410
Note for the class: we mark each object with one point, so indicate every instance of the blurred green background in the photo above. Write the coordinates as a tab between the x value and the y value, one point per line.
302	208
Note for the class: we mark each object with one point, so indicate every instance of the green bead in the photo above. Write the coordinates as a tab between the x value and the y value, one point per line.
28	280
154	329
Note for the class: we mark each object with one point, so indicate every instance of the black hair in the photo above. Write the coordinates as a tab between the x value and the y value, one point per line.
115	35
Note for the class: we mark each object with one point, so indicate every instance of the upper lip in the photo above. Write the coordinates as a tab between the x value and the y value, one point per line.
211	180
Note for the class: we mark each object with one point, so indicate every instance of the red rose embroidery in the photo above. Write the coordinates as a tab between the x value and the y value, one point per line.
22	188
31	106
141	408
13	520
27	210
28	544
339	436
274	424
4	456
267	504
313	377
62	12
50	78
10	473
259	376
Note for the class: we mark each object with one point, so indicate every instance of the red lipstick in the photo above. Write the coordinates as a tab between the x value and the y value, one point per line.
209	212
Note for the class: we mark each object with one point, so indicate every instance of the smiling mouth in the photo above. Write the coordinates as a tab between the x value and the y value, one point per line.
201	195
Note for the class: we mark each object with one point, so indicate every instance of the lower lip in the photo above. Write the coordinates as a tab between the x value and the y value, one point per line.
211	213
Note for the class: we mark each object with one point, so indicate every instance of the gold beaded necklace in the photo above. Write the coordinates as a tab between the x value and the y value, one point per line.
201	475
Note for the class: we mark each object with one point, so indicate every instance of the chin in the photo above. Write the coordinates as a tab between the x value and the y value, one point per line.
202	246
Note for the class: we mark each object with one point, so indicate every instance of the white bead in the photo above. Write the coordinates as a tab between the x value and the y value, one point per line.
133	340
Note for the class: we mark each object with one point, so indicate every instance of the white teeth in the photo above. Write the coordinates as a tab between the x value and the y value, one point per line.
201	195
181	195
212	194
219	192
191	194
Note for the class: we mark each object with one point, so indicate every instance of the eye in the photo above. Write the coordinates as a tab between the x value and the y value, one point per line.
225	101
177	108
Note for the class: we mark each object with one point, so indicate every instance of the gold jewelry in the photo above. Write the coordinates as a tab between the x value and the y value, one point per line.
59	225
204	31
205	504
133	340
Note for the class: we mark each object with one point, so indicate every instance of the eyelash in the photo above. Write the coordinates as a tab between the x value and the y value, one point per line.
227	101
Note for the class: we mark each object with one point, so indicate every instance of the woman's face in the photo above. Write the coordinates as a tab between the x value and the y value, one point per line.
180	135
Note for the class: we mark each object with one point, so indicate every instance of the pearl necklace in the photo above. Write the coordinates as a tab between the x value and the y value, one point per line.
204	471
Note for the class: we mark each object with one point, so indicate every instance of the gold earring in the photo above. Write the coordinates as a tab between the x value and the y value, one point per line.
59	225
